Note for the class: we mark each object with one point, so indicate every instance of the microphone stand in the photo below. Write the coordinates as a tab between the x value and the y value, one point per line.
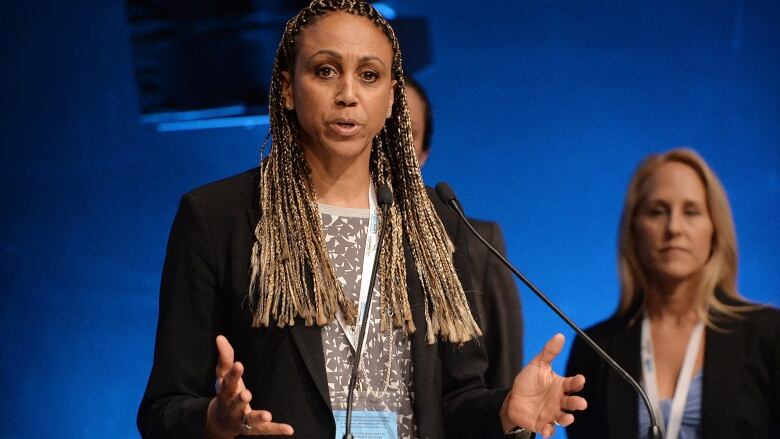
385	198
445	193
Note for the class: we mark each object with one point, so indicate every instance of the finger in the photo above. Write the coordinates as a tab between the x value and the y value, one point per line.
551	349
246	396
573	402
236	405
260	423
565	419
573	384
232	383
226	356
239	403
547	430
260	415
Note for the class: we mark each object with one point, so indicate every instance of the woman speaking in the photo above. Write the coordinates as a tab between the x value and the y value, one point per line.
266	273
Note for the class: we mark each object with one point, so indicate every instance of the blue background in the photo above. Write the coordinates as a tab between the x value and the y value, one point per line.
543	109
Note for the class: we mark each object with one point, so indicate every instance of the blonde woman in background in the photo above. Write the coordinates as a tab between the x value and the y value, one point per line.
709	359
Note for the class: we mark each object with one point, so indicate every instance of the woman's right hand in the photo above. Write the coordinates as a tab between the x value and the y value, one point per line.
229	414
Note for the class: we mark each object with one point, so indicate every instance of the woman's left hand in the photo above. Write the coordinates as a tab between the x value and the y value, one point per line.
540	399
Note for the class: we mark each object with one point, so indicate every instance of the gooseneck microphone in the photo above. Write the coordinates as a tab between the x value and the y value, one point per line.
385	200
447	196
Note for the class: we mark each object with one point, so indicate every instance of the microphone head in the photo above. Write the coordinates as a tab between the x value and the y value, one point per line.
445	193
447	196
384	195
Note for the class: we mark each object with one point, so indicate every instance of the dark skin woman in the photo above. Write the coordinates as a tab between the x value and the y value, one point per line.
340	129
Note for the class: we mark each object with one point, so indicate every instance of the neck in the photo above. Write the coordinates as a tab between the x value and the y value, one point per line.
340	182
675	303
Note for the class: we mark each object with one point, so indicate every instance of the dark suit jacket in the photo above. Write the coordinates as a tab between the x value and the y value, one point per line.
203	293
498	303
740	389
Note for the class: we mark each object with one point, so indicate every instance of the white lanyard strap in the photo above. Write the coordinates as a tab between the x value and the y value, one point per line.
683	379
365	273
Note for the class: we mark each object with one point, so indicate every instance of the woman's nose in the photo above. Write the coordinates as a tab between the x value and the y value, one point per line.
346	92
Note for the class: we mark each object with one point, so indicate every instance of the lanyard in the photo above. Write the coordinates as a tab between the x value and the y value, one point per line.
366	272
683	379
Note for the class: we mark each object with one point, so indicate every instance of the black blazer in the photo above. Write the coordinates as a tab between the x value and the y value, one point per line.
203	293
741	379
498	303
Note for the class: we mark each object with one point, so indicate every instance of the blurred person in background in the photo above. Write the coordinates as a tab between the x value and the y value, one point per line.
708	358
497	297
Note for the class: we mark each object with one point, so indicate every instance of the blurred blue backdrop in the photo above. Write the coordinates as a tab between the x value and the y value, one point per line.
542	109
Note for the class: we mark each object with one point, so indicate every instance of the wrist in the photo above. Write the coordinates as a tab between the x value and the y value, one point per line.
519	433
511	429
212	430
503	414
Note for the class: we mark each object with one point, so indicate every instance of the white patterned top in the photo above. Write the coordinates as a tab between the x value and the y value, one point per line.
385	382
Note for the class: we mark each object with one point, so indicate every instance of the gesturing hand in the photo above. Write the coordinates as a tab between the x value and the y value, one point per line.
540	399
229	413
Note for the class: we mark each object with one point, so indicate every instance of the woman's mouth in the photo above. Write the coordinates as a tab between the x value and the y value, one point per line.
673	249
345	127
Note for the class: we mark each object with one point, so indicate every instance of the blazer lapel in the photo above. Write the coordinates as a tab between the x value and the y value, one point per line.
308	339
622	401
309	342
720	388
424	355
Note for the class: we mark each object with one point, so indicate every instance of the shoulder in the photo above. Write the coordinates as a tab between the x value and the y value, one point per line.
448	217
436	201
608	329
614	331
753	336
239	191
488	229
483	225
763	322
216	206
491	231
764	315
485	228
753	317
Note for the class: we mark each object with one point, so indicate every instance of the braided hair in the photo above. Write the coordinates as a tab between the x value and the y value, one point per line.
289	238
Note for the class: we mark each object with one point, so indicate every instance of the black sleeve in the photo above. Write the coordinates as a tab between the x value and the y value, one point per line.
181	382
470	409
506	358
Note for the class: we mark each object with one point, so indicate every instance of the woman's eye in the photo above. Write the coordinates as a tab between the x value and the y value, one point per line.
656	212
692	212
369	76
325	72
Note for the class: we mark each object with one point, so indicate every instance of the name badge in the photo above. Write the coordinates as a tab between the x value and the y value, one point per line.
368	424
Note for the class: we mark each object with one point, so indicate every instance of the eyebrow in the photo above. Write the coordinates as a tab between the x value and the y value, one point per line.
687	201
363	59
